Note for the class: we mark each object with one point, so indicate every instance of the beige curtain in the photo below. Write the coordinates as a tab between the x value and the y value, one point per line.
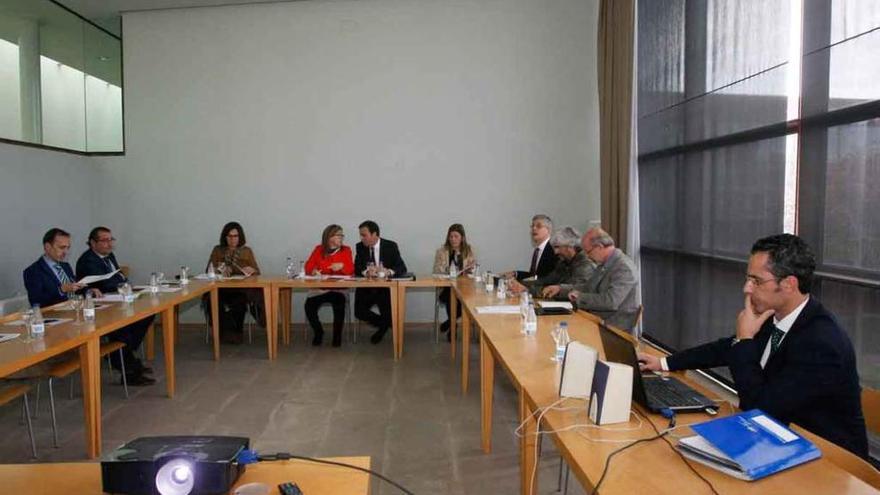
615	71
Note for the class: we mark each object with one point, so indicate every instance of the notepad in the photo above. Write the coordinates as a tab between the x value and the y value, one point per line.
4	337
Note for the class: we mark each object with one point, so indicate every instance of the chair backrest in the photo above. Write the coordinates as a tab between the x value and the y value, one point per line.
843	458
871	409
13	304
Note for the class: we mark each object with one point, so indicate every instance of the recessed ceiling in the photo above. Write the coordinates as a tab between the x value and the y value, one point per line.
106	12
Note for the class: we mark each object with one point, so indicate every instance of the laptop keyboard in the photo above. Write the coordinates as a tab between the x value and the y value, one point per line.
667	393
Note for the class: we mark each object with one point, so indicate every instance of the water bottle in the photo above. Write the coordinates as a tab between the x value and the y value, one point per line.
154	283
490	282
184	275
212	275
562	340
127	293
453	271
302	269
89	307
38	325
501	292
531	323
288	268
523	303
475	273
380	271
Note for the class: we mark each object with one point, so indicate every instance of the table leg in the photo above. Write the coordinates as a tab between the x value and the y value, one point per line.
286	313
169	323
396	331
401	318
215	321
453	319
465	349
151	342
276	305
90	367
487	387
527	447
267	304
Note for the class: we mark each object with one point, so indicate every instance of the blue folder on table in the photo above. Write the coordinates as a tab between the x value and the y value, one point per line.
749	445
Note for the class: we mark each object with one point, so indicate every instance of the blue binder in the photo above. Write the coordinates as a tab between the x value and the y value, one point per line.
749	445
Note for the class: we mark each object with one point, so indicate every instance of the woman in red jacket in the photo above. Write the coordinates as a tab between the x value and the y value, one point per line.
330	257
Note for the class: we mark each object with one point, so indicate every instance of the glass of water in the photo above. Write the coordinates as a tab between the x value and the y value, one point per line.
77	304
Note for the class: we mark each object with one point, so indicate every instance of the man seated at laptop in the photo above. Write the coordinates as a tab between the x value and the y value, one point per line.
799	365
574	268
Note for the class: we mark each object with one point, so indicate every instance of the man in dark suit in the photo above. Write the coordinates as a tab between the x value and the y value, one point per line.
49	279
100	260
543	260
374	250
799	365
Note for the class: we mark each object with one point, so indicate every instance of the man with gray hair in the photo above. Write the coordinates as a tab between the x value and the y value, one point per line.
573	268
543	259
611	292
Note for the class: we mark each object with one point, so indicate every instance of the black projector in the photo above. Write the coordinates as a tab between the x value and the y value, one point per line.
174	465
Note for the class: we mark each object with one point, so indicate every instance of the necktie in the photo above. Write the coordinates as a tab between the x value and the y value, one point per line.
109	263
62	275
775	339
372	254
534	268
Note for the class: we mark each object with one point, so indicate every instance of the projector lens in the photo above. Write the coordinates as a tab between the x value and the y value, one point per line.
175	477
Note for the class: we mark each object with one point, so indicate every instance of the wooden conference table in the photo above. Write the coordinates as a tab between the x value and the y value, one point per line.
18	354
85	477
650	467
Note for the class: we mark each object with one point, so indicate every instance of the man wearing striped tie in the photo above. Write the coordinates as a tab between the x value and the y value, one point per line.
789	357
50	279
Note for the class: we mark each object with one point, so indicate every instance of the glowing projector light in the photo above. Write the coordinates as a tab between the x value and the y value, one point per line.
176	477
174	465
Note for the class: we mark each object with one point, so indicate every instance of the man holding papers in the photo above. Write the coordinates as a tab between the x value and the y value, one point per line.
789	357
50	279
100	260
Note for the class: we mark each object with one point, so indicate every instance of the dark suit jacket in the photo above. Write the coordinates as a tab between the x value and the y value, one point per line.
810	380
389	255
546	264
89	263
42	285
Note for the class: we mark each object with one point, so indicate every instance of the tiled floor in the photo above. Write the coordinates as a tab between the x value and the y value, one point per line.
410	416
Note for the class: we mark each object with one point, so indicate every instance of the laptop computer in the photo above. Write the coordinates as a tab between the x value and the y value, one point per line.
652	391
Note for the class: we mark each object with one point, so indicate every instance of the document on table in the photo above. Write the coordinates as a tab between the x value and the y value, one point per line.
556	304
8	336
162	289
498	310
97	278
109	298
49	322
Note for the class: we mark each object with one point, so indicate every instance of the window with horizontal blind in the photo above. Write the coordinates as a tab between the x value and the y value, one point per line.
758	117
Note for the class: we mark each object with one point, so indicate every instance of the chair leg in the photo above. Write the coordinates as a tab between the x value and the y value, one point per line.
70	381
559	476
30	426
567	472
36	400
207	333
52	411
124	379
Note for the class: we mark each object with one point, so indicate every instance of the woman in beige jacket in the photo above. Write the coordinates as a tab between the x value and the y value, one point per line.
455	250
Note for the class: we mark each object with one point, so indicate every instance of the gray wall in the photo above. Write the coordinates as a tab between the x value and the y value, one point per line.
38	190
414	113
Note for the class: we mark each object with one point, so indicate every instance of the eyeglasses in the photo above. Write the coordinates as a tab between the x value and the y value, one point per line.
757	282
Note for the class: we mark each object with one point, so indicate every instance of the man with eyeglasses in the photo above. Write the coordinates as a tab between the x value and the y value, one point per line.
100	260
789	357
612	290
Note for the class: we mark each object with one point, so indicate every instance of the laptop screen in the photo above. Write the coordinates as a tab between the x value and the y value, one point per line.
618	349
